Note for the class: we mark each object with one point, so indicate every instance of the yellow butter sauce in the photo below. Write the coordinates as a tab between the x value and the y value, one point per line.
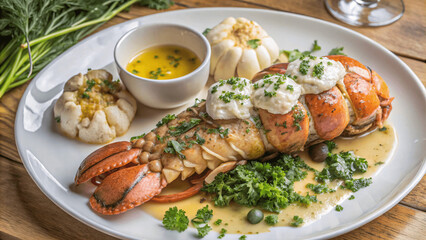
376	148
164	62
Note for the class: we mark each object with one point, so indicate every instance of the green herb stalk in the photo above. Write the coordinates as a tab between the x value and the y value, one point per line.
34	32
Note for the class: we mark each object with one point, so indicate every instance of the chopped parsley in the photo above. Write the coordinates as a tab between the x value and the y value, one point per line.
90	85
175	219
174	61
352	197
290	88
135	71
379	163
268	185
356	184
304	67
85	95
319	188
183	127
166	119
298	116
242	237
112	86
271	219
331	145
318	70
58	119
253	43
297	221
156	74
218	222
227	96
339	208
206	31
222	233
201	220
222	132
137	137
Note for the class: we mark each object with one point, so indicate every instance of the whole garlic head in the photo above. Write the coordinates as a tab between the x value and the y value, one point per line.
94	108
240	47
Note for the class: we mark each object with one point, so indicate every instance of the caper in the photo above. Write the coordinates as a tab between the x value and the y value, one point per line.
255	216
318	152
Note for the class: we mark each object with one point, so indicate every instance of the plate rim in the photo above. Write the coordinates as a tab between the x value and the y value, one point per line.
339	230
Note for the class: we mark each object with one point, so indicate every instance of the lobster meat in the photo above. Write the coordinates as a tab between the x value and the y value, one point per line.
136	172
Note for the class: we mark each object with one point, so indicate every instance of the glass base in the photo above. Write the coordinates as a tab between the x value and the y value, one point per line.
366	12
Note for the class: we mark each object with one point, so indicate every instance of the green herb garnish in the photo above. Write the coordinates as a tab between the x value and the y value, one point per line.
175	147
166	119
318	70
201	219
304	67
356	184
253	43
137	137
90	85
206	31
175	219
352	197
271	219
296	54
337	51
223	133
58	119
319	188
222	233
218	222
183	127
297	221
266	185
379	163
339	208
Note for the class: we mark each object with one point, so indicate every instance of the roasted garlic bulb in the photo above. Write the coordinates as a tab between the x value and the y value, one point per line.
94	108
240	47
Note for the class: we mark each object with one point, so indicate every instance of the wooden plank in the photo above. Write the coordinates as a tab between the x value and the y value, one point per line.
8	106
26	213
139	11
398	223
405	37
416	198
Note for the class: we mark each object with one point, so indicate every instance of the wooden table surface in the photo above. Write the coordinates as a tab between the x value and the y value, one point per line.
26	213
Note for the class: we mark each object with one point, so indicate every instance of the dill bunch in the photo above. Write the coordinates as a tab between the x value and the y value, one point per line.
34	32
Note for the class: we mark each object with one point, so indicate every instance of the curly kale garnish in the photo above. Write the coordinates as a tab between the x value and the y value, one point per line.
175	219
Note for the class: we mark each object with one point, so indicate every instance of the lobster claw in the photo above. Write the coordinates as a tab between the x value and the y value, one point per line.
126	189
105	159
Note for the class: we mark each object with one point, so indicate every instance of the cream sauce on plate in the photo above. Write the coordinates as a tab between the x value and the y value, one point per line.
376	147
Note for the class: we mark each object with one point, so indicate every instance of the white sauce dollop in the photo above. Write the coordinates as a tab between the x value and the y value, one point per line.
276	93
228	99
316	74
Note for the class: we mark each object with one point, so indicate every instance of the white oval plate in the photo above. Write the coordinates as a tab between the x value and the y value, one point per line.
52	159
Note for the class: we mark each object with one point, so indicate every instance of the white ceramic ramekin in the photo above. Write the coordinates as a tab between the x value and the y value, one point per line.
163	93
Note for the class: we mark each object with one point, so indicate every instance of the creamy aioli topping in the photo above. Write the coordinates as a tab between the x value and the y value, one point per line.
316	74
228	99
276	93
